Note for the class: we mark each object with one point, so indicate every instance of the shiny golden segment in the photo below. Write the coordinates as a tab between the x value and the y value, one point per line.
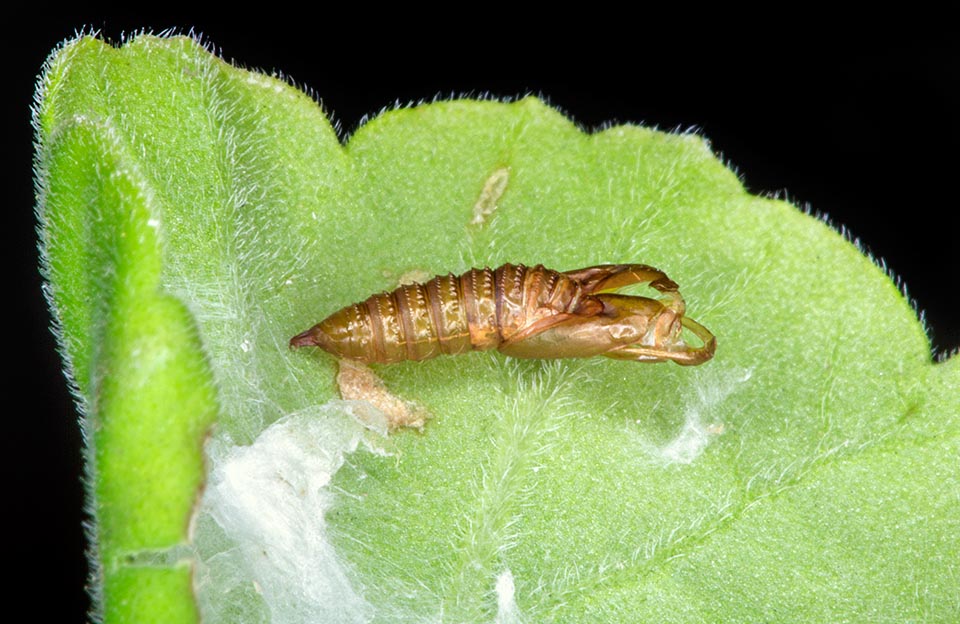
523	312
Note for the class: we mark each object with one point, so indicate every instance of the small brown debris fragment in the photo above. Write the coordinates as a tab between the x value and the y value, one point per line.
358	382
493	190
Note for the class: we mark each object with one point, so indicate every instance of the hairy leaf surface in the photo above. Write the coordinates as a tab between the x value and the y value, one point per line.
195	216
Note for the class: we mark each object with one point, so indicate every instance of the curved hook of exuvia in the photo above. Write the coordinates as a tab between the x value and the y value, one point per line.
663	340
697	355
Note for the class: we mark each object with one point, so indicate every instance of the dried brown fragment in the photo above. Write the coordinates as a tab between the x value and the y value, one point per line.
493	190
358	382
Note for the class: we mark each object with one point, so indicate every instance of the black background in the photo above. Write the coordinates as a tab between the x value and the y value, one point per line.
863	130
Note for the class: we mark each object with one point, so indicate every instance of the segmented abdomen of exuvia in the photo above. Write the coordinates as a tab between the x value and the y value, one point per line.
449	314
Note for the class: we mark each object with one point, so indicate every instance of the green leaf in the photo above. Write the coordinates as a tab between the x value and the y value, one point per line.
195	216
